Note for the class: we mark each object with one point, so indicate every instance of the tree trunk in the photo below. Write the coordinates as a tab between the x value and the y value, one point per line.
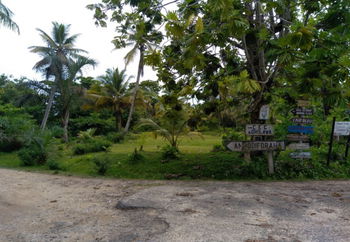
65	125
48	107
132	106
118	121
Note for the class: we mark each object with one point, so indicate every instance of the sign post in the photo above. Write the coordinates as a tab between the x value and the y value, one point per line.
331	143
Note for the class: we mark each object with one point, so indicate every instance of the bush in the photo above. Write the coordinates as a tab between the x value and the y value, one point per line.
33	155
91	145
102	164
170	153
53	165
115	137
135	157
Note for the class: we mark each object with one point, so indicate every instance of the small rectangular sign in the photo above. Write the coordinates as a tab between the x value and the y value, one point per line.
341	128
300	155
297	137
264	112
298	146
259	129
301	129
303	103
302	111
256	145
302	120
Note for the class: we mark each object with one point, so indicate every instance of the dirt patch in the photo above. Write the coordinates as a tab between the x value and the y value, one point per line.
38	207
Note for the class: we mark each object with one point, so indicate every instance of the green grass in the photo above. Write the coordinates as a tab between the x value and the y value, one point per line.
196	161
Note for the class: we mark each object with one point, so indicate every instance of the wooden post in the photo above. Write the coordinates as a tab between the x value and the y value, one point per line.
247	157
347	147
270	161
331	143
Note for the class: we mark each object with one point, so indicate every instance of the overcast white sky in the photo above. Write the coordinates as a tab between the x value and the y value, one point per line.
15	58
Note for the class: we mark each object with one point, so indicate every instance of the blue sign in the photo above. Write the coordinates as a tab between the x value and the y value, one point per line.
301	129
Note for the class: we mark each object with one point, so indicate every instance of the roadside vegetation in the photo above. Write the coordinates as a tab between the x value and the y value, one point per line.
212	80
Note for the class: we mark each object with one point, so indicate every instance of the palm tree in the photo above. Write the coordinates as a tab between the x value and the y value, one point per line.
5	18
113	93
56	55
68	91
142	38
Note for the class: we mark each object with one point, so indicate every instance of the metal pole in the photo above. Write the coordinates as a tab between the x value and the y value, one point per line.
331	143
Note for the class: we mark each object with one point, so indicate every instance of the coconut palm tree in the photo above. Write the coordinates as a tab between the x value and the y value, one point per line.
5	18
112	93
68	90
57	53
143	39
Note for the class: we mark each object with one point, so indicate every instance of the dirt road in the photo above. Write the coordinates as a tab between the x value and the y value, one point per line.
38	207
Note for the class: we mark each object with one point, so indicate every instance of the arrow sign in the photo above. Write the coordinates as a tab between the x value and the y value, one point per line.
256	145
300	155
302	111
299	146
302	120
301	129
297	137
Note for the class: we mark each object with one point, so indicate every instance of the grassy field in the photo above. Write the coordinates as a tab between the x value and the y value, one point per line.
196	161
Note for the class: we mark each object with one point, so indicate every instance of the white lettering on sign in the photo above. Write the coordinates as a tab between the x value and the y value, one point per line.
341	128
264	112
259	129
256	145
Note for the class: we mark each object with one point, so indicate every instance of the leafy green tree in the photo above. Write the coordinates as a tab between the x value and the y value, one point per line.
6	18
112	92
56	55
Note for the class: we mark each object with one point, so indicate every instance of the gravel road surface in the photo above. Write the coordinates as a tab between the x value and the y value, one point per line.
41	207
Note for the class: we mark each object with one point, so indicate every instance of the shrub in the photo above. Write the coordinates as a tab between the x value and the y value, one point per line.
53	165
115	137
135	157
33	155
91	145
102	164
170	153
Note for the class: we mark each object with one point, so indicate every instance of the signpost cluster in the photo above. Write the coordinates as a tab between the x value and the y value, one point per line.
298	133
259	134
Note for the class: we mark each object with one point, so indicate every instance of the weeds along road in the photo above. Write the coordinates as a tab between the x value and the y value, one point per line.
39	207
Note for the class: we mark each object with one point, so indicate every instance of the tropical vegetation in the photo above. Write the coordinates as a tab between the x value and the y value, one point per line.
218	62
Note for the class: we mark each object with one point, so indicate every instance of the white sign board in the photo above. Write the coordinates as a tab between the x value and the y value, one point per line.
259	129
264	112
299	146
341	129
256	145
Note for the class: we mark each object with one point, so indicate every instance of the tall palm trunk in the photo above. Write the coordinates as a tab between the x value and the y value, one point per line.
48	107
137	84
65	124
